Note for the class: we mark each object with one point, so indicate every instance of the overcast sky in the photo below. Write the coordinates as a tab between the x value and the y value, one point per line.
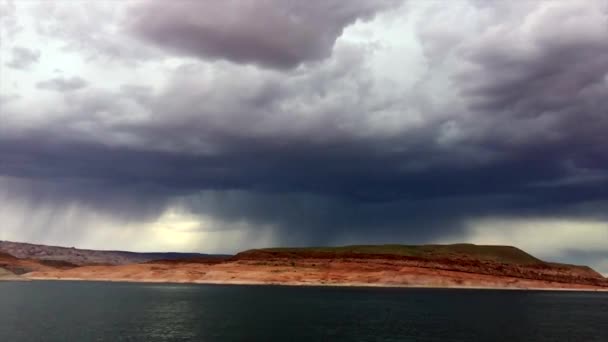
217	126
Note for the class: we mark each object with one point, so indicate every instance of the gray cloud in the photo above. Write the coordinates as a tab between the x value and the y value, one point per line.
301	219
23	58
541	89
62	84
260	130
9	25
278	33
507	118
101	39
5	98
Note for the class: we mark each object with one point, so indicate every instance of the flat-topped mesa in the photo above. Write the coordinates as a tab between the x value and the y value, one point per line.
502	254
480	259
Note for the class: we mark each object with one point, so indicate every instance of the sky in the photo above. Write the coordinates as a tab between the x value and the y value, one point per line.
218	126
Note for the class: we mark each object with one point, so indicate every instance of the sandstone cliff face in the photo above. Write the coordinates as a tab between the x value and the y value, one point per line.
531	268
359	272
20	266
7	275
462	266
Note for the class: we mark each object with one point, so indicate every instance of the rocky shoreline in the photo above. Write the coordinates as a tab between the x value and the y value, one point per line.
310	272
432	266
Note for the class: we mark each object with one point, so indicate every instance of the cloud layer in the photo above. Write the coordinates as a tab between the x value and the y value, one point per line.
62	84
316	123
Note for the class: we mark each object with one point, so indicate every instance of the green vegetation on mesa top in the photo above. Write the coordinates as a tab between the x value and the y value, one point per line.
504	254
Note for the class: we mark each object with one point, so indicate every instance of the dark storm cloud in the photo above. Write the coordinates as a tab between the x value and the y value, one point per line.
314	151
313	219
544	91
62	84
23	58
276	33
128	202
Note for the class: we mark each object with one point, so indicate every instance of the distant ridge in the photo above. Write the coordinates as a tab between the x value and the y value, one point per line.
78	256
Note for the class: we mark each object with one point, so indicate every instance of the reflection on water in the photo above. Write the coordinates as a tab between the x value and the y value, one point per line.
178	317
80	311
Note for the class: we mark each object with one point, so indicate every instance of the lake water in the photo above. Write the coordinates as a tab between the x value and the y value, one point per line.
84	311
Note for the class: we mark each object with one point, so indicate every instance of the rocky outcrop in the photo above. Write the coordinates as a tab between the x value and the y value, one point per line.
7	275
21	266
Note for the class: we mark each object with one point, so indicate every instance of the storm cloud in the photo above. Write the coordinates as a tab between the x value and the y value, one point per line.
275	33
316	123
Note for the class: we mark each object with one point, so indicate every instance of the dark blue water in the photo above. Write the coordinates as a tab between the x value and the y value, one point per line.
81	311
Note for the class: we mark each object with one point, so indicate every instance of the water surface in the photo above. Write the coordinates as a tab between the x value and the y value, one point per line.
92	311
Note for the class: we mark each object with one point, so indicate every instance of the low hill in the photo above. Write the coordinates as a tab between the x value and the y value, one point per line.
17	266
58	256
